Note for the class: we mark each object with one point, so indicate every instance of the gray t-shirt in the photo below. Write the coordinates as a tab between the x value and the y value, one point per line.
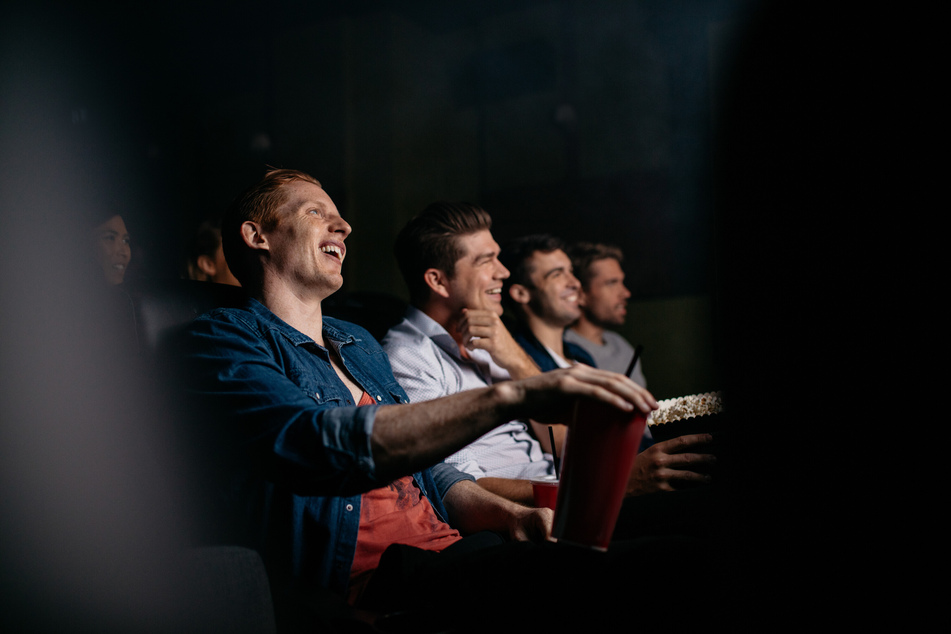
615	355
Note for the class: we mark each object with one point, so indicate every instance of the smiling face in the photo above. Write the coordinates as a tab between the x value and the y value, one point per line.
604	302
555	290
477	279
306	247
113	251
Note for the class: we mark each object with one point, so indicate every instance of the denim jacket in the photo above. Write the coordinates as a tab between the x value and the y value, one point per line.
292	447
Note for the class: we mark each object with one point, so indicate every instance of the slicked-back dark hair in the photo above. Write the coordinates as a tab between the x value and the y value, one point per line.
431	241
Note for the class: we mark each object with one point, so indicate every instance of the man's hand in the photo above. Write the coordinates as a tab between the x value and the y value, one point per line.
483	329
531	524
551	397
672	464
472	509
410	437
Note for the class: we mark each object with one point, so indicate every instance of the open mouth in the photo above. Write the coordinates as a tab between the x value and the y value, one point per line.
333	250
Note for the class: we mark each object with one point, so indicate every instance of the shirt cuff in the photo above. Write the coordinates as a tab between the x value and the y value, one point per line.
445	476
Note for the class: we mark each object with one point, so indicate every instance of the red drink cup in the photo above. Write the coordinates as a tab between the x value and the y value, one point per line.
545	491
599	453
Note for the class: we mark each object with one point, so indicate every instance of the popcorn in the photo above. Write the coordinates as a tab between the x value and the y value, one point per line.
672	409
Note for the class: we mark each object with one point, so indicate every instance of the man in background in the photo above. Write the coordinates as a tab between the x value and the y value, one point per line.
603	303
544	295
206	257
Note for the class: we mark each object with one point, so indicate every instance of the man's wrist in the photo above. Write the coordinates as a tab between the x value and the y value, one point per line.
522	366
507	397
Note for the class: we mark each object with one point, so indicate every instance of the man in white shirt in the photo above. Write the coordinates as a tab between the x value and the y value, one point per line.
453	339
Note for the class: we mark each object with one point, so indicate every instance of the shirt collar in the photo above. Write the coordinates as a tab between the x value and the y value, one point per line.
432	329
441	337
479	359
292	334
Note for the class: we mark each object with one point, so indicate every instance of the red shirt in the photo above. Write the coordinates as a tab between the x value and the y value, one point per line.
395	514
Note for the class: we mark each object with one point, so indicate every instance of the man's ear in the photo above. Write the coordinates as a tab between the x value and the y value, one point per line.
437	281
519	293
582	298
253	236
206	264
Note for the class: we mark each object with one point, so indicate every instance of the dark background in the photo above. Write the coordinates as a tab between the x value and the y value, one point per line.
590	120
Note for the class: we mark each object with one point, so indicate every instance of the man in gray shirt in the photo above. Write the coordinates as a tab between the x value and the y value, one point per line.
603	303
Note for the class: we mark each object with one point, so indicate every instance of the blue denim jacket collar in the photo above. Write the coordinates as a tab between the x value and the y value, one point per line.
293	335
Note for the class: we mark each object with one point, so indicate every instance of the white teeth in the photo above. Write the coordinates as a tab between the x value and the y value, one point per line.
330	248
495	291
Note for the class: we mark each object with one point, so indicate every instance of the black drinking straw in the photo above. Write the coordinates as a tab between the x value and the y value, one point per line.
637	353
554	454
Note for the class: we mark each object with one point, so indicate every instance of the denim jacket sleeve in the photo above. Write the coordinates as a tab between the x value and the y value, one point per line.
276	389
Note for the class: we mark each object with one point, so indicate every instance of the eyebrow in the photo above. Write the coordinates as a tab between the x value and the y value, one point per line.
554	270
486	255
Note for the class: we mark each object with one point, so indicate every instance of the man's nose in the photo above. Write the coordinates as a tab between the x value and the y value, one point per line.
501	272
342	227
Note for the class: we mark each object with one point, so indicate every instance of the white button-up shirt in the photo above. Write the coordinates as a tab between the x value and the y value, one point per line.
427	363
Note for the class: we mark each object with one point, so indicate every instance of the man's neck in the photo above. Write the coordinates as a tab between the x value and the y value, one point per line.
301	311
590	331
448	318
549	335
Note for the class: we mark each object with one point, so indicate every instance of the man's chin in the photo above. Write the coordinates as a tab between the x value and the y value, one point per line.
490	305
606	324
332	284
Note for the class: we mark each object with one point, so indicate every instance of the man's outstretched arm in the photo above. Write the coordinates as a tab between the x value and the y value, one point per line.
406	438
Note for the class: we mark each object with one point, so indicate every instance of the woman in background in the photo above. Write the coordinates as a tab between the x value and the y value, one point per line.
113	250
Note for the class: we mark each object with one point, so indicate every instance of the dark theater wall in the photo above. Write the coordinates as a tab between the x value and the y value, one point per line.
592	121
588	121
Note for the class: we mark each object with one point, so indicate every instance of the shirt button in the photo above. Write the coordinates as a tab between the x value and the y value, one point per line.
316	394
349	507
379	398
